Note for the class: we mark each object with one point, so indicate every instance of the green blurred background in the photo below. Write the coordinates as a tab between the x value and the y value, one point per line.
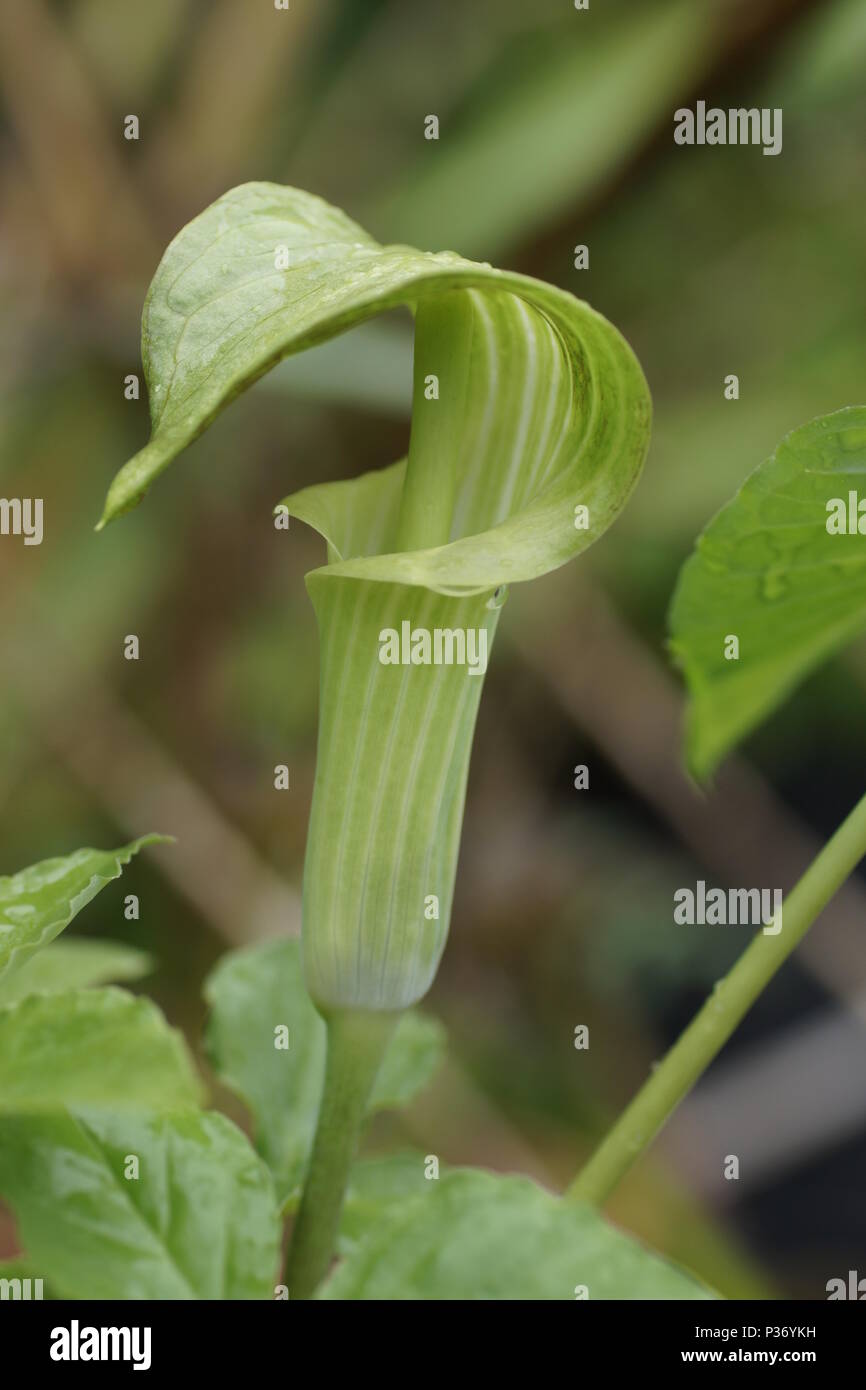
556	129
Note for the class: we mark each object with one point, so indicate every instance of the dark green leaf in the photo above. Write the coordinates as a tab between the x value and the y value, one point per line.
767	572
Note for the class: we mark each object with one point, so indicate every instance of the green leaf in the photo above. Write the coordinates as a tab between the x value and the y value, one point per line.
376	1186
258	989
474	1235
411	1061
75	964
251	993
37	903
199	1221
767	571
99	1047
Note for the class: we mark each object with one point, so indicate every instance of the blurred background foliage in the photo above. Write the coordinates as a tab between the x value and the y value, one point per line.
556	129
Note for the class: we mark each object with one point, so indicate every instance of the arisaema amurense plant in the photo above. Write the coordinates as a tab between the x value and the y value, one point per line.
530	424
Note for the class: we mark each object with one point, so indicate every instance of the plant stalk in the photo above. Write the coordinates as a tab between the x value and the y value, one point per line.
731	999
356	1044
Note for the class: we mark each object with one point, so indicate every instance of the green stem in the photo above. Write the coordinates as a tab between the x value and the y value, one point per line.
356	1045
732	997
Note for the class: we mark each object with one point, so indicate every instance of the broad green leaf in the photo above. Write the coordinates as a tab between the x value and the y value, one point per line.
37	903
768	572
252	993
475	1235
99	1047
411	1061
75	964
375	1187
530	424
198	1221
261	988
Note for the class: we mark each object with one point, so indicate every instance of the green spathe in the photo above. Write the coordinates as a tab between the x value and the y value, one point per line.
439	646
527	404
387	810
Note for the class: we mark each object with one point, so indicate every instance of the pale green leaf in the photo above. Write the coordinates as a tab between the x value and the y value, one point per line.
251	993
473	1235
100	1047
37	903
767	571
259	989
411	1060
198	1222
75	964
376	1185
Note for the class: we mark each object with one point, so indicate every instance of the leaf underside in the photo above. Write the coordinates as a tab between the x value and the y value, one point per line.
767	571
